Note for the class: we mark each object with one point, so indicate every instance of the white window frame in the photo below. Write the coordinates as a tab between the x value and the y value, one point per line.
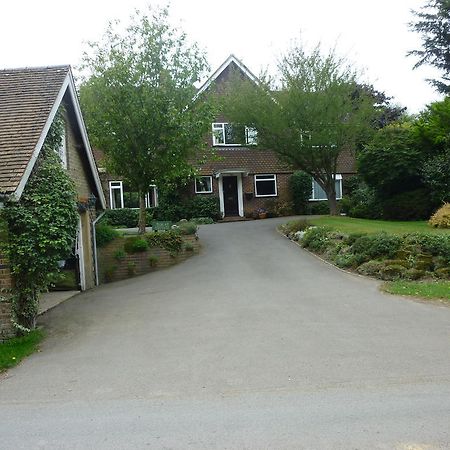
118	185
220	127
254	131
268	177
62	149
338	177
210	183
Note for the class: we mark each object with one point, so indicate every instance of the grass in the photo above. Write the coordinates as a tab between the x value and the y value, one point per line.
352	225
14	350
422	289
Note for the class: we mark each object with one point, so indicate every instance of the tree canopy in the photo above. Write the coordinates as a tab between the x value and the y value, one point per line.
310	116
138	101
433	24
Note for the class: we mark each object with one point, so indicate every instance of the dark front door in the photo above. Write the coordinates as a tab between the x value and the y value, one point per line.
230	196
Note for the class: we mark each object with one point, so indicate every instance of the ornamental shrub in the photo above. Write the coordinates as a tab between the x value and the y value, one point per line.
135	244
372	246
410	205
441	218
300	184
316	238
169	240
125	217
319	208
104	234
187	228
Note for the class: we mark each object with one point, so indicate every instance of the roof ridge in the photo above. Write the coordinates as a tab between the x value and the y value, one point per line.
36	68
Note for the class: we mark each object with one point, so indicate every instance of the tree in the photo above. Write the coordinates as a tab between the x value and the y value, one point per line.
138	102
433	24
313	114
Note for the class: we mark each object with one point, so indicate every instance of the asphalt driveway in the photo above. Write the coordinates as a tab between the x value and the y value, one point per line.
253	344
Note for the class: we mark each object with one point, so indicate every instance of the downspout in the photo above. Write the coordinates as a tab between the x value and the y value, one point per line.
94	236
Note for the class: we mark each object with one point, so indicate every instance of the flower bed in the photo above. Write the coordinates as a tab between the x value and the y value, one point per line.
382	255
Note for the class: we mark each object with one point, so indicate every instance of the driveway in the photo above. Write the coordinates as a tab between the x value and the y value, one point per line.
253	344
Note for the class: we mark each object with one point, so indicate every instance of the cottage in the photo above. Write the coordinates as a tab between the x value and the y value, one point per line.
29	101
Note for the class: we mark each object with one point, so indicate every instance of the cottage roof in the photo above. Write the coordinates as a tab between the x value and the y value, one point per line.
29	100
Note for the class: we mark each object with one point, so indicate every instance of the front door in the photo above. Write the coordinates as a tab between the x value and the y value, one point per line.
230	196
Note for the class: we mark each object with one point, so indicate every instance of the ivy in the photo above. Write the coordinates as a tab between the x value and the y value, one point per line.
41	228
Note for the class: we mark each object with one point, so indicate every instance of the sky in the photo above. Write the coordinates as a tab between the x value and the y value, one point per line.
373	35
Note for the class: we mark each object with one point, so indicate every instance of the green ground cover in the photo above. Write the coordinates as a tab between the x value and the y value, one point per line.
352	225
421	289
14	350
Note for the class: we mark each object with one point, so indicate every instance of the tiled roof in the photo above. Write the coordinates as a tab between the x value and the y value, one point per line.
26	100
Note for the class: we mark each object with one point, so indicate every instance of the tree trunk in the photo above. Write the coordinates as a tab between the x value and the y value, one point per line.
26	310
332	202
142	214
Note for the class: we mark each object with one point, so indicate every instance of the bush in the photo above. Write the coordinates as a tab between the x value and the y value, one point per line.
433	244
300	184
104	234
441	218
125	217
361	202
411	205
135	244
187	228
295	225
370	268
372	246
319	208
202	220
316	238
174	208
169	240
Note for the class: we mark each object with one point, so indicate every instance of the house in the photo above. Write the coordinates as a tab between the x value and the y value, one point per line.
243	176
29	101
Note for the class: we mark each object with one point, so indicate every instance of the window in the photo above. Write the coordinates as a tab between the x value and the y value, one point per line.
121	196
319	194
265	185
227	134
62	150
203	185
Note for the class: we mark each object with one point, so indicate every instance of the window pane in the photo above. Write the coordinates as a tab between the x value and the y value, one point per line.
218	136
338	189
265	187
203	184
116	201
319	193
130	199
251	135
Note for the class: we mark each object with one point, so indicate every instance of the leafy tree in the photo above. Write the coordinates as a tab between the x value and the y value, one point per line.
138	101
433	24
41	229
436	176
391	162
312	115
300	184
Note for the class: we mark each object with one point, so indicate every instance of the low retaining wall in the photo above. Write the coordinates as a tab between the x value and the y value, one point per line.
132	264
7	329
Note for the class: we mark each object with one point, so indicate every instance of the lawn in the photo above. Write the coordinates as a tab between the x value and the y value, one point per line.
421	289
14	350
352	225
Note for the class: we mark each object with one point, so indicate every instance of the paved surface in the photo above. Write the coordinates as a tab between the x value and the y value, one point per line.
51	299
254	344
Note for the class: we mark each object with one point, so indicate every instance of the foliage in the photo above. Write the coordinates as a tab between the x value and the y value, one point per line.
316	238
411	205
169	240
15	349
104	234
300	184
313	114
441	218
135	244
203	206
153	260
42	228
435	174
187	228
396	144
295	225
353	226
361	201
278	207
138	101
319	208
120	255
188	247
378	245
202	220
433	24
125	217
421	289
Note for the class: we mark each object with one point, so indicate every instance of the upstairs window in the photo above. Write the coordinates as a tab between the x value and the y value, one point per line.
228	134
319	194
266	186
120	196
203	185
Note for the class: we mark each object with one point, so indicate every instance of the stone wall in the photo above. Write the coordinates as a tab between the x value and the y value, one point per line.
133	264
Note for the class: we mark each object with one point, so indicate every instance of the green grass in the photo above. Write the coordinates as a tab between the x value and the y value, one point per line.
14	350
352	225
422	289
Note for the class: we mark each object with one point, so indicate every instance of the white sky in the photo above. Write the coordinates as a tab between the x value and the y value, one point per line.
372	34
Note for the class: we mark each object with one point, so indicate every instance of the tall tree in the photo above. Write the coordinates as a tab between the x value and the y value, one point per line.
138	101
433	24
310	116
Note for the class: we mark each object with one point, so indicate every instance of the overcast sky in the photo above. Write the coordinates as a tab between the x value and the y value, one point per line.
374	35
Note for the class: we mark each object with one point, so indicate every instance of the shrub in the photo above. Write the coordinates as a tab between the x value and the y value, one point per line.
125	217
316	238
392	272
279	208
434	244
300	184
320	208
136	244
188	247
104	234
441	218
131	268
120	255
202	220
370	268
411	205
295	225
187	228
414	274
169	240
377	245
173	208
361	202
153	260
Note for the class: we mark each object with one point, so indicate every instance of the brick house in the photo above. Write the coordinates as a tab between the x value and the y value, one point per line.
29	101
243	176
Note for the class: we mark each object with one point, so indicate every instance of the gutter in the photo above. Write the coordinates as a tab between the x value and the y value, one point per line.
94	237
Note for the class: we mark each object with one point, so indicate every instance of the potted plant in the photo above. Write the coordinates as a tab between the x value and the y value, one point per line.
262	213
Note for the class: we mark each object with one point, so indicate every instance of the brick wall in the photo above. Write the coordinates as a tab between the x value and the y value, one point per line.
111	269
6	282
